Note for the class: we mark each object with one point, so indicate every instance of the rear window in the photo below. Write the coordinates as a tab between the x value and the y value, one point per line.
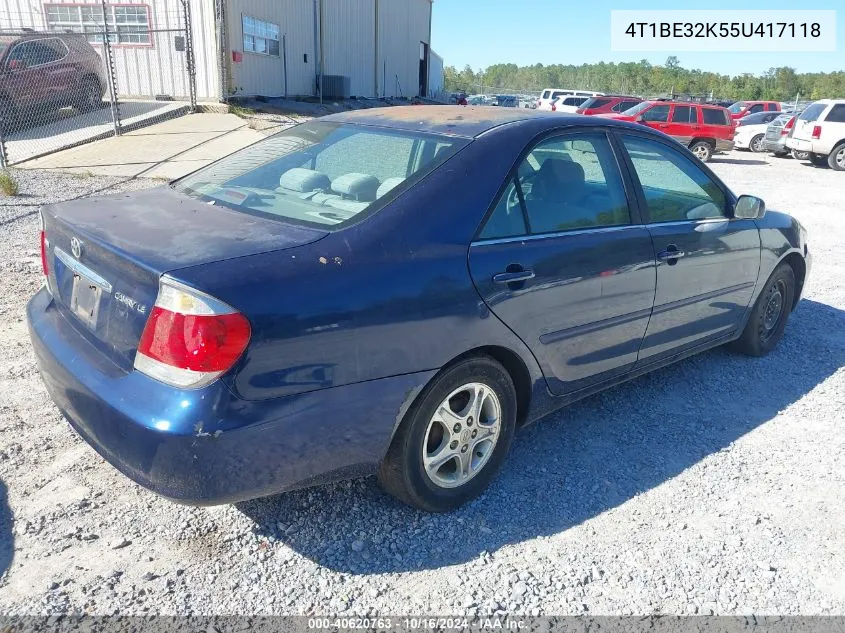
546	94
813	112
712	116
836	114
595	102
319	173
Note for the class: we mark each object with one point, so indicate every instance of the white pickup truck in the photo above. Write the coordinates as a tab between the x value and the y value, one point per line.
820	130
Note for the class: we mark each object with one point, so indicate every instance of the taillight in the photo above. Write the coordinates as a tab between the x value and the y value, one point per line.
554	107
817	131
786	128
45	258
190	337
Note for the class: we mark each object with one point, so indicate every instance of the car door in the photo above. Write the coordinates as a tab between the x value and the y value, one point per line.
24	78
657	116
707	262
565	263
57	70
682	123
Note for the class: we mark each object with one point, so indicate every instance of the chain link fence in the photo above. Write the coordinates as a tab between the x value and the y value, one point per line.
89	72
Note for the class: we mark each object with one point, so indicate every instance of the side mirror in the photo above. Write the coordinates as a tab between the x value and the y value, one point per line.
749	208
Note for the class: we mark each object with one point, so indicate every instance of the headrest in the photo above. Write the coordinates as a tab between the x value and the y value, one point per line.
303	180
359	186
387	185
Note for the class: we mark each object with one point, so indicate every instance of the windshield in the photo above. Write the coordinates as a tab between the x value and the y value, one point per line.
637	108
319	173
812	112
738	107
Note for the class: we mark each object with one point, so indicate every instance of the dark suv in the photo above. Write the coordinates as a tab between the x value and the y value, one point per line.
47	71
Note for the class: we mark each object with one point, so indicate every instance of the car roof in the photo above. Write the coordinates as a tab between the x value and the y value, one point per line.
465	121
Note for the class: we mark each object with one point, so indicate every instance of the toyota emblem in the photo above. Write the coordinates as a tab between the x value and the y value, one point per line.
76	247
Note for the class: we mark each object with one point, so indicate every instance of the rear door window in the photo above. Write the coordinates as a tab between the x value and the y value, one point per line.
836	114
683	114
546	94
713	116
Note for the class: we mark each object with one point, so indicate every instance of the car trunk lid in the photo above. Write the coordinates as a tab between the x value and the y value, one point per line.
105	256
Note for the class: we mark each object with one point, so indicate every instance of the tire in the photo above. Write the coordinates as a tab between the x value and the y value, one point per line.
780	154
427	431
90	96
818	160
836	160
771	311
703	150
756	144
800	155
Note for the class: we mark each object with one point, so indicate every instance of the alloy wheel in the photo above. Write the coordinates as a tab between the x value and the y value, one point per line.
840	158
462	435
700	152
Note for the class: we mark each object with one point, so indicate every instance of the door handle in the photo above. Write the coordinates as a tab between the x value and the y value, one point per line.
671	252
512	277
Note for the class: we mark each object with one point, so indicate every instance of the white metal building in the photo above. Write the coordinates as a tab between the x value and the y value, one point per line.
273	48
281	47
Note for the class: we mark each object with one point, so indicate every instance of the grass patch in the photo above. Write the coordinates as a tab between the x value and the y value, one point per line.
8	184
240	111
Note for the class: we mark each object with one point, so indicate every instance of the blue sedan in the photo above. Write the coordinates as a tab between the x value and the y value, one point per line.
393	291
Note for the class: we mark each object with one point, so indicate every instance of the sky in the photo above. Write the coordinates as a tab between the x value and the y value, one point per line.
524	32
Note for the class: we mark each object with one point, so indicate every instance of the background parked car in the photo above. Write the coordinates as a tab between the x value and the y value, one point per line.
744	108
776	134
751	130
608	104
551	94
39	73
568	104
820	130
705	129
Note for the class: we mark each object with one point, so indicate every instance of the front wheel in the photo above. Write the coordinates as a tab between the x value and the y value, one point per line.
836	160
756	144
768	318
702	150
90	96
454	439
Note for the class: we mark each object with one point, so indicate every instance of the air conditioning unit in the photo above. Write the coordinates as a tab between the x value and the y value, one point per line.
336	86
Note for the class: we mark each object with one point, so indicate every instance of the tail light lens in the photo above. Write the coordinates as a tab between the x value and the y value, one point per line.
190	338
45	259
554	107
787	127
817	131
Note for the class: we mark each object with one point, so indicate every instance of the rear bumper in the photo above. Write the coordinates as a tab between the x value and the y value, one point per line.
206	446
798	144
776	146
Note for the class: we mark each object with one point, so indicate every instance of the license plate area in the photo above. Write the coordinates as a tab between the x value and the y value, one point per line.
85	300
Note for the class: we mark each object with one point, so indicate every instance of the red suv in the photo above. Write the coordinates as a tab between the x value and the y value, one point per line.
703	128
41	72
608	104
744	108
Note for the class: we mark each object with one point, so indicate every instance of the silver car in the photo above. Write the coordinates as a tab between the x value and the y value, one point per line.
776	134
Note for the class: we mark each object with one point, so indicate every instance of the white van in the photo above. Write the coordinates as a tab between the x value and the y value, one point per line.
550	94
820	130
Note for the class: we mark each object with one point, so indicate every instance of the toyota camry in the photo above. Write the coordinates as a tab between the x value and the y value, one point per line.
394	292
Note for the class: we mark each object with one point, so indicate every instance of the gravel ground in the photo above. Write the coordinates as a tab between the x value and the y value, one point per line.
714	486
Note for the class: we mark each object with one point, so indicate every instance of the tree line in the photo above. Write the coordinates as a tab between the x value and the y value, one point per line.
644	79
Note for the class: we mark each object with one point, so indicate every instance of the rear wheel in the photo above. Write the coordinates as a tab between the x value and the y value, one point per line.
836	160
771	311
703	150
756	144
800	155
454	439
90	95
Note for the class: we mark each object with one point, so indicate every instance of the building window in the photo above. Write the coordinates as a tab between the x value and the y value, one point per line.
261	37
128	23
